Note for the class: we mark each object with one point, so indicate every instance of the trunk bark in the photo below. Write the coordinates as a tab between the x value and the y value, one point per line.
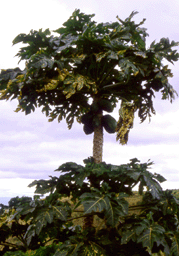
98	142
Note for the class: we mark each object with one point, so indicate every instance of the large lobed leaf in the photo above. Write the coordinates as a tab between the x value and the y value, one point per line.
112	207
149	234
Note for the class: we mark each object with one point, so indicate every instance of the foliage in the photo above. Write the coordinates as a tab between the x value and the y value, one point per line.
18	253
79	71
42	251
98	190
84	60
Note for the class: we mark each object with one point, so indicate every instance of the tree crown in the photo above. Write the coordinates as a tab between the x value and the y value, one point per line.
105	62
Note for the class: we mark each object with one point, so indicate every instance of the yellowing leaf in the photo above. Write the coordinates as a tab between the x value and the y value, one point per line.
121	52
80	80
76	83
125	122
100	56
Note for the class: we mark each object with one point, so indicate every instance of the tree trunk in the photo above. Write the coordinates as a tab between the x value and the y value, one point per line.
98	142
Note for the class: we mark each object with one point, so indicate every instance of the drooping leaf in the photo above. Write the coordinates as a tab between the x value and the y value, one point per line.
153	186
30	234
159	177
125	123
116	209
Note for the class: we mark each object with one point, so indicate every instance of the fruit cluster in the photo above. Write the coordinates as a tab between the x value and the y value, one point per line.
92	119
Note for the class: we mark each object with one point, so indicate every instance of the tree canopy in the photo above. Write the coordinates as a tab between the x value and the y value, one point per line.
84	66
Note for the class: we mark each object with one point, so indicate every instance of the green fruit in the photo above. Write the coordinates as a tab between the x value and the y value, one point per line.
94	107
87	118
109	123
88	129
105	105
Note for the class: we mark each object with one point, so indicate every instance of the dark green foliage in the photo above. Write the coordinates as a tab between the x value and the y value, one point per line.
42	251
16	201
18	253
99	190
85	61
109	123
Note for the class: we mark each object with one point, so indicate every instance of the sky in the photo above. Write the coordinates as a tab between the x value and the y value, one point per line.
32	148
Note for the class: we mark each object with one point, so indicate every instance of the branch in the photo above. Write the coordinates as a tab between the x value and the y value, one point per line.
111	85
140	206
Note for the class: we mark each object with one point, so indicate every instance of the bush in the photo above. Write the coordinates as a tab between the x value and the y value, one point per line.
86	210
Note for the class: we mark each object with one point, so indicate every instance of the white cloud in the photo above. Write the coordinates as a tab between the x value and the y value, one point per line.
15	187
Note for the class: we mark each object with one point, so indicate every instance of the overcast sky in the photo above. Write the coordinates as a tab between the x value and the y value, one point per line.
31	147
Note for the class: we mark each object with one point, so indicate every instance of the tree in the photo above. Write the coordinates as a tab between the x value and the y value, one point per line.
104	63
81	71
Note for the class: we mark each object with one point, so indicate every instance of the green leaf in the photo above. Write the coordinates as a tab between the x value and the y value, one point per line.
159	177
153	186
134	175
152	233
128	235
70	166
27	38
9	74
44	186
75	247
60	212
116	208
69	249
112	55
175	245
30	233
113	208
133	13
94	202
42	61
